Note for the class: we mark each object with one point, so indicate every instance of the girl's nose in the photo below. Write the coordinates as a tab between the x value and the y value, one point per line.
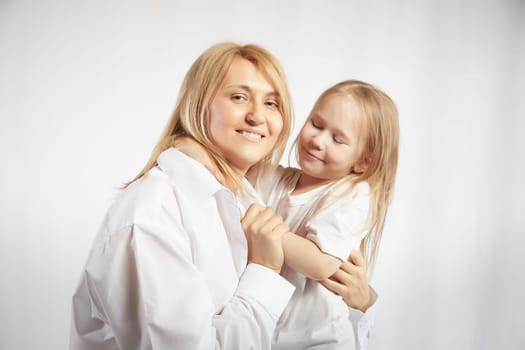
317	141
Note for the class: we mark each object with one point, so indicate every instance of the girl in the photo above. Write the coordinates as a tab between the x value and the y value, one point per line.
164	271
337	201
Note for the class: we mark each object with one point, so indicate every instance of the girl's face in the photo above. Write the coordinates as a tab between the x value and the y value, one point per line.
245	121
330	143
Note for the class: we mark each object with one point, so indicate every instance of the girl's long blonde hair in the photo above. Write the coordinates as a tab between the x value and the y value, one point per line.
381	147
190	118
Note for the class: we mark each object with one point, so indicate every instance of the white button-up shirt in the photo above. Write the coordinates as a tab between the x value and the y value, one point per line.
166	272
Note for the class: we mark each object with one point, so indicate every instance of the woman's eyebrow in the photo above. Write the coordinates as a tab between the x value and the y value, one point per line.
247	88
238	86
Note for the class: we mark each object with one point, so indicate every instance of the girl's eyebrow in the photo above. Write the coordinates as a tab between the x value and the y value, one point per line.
345	136
317	116
341	133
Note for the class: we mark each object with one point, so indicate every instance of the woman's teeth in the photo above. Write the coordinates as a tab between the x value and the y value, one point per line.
251	135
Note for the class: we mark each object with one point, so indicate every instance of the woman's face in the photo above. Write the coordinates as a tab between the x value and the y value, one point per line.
245	121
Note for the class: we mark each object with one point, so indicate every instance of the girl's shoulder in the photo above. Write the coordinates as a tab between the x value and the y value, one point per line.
349	190
277	183
285	173
345	197
342	221
279	177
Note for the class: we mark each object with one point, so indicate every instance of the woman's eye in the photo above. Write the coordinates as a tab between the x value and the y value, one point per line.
272	104
239	98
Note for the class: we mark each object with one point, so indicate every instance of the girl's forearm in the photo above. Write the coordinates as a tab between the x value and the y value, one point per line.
305	257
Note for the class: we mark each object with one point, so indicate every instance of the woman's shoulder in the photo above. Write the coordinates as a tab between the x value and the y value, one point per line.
140	203
147	194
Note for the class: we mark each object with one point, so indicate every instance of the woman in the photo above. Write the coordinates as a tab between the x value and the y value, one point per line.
164	271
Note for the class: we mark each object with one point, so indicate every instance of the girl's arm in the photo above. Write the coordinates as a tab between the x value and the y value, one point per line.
336	229
305	257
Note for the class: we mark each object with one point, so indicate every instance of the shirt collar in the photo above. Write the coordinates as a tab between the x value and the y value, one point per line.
188	174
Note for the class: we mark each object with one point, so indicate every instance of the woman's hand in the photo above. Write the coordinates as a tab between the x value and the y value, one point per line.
195	150
264	231
351	283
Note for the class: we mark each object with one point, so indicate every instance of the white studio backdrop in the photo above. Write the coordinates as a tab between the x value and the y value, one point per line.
87	86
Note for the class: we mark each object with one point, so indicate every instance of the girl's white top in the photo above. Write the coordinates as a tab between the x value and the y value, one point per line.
167	270
316	317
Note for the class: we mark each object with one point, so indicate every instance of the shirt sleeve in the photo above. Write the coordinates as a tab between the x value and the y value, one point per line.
340	227
249	320
151	295
363	323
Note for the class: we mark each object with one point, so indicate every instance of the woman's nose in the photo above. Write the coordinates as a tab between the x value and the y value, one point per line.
254	115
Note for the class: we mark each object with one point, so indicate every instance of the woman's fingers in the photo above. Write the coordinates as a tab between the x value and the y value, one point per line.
348	268
355	265
340	275
350	282
357	258
260	220
250	215
264	230
333	286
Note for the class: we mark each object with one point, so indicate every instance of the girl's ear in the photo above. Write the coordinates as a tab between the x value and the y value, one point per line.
362	164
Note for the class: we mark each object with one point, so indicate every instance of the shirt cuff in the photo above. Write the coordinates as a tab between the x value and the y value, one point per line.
363	322
267	287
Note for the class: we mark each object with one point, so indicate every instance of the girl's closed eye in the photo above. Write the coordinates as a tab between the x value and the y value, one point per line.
339	140
315	124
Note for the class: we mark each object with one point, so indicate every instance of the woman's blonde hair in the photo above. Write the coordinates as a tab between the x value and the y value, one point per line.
191	114
381	146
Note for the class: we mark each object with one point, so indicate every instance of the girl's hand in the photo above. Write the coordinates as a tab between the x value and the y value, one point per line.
351	283
264	231
195	150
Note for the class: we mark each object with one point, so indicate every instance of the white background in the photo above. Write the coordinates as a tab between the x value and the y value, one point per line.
87	86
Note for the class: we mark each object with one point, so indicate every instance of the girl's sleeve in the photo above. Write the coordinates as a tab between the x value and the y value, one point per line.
340	227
